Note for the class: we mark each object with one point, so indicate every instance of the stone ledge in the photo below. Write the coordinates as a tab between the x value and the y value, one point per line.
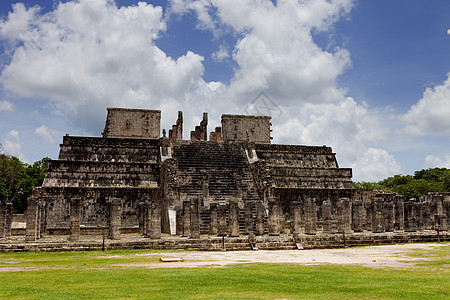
208	243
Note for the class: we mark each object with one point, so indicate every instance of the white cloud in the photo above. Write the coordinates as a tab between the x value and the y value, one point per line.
346	126
90	54
448	31
46	134
221	54
12	144
6	106
432	161
276	51
18	25
431	114
377	164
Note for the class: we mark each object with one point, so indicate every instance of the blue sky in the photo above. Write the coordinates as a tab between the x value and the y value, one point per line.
368	78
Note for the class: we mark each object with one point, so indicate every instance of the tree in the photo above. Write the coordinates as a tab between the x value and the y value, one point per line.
17	180
422	183
11	175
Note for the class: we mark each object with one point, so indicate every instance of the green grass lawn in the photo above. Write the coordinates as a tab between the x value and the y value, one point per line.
90	275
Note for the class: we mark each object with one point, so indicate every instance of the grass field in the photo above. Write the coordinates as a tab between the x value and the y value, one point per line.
91	275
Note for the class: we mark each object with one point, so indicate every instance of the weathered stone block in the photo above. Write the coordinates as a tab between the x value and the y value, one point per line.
75	204
115	221
233	216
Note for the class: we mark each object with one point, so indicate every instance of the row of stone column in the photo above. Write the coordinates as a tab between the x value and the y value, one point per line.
36	226
5	219
150	219
309	216
420	216
223	218
378	215
382	214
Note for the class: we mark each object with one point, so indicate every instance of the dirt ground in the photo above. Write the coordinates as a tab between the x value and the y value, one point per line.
374	256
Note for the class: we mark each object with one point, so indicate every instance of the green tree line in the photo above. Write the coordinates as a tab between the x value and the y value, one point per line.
17	180
413	186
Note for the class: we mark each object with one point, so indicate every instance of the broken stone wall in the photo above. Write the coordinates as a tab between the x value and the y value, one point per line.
132	123
246	128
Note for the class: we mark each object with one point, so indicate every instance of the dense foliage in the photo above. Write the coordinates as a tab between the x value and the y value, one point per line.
17	180
413	186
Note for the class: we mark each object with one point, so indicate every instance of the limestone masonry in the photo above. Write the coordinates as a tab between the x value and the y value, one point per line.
235	184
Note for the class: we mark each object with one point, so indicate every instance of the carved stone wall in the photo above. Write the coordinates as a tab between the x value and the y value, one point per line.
246	128
237	183
132	123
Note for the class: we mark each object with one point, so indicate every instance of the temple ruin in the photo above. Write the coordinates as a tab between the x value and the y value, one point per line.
236	184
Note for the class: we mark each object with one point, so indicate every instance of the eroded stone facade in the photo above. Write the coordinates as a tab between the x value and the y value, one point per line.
132	123
238	183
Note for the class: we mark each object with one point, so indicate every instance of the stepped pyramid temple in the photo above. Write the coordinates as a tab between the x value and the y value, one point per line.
236	183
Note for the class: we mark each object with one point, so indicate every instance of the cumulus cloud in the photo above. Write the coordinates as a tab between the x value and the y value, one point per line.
221	54
432	161
276	51
6	106
431	114
46	134
377	164
12	144
90	54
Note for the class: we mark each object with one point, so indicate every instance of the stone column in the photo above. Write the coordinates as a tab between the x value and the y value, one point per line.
446	207
274	219
260	214
154	223
399	213
222	219
344	215
296	218
310	216
2	220
32	219
205	193
115	215
419	215
8	219
213	219
42	218
172	213
180	224
233	218
427	215
377	215
195	218
248	206
389	216
141	217
410	216
368	208
147	216
282	220
74	207
440	222
186	218
358	216
326	216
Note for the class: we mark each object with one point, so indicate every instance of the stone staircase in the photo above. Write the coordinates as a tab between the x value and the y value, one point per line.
223	165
